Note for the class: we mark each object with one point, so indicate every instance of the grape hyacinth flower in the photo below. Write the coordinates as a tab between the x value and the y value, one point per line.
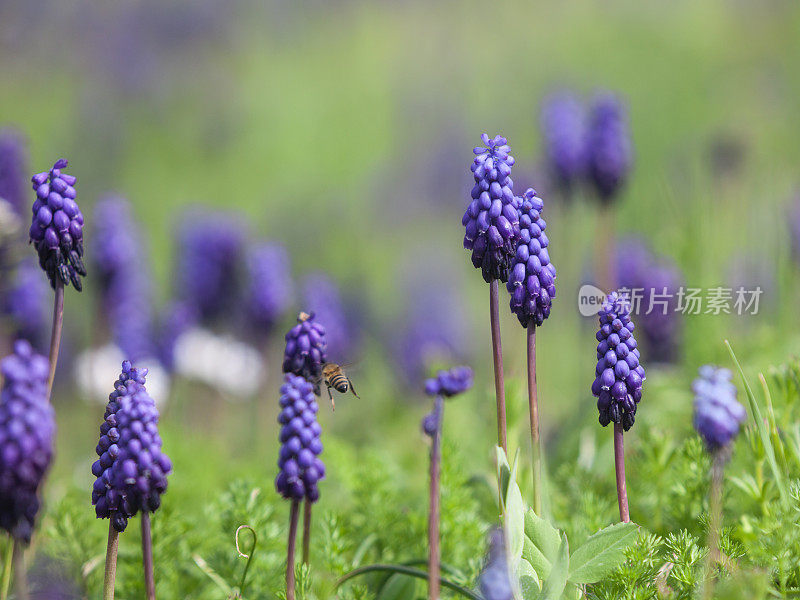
26	305
300	468
124	280
718	415
269	291
492	231
609	149
532	288
321	296
563	123
131	470
13	169
495	580
618	381
446	384
27	432
306	350
210	248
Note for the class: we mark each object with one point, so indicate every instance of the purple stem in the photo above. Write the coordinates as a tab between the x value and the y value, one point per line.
714	520
111	563
497	355
619	464
55	337
20	572
434	551
306	531
147	556
533	403
293	516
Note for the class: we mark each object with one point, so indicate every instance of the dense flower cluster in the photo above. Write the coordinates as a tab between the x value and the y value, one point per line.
124	281
532	280
563	122
609	148
306	350
450	383
132	470
491	220
57	226
269	290
619	376
13	169
300	466
495	582
322	296
26	304
209	251
27	429
717	413
656	282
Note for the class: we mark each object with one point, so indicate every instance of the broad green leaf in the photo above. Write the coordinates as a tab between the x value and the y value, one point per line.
528	581
762	431
503	473
398	587
514	523
601	553
557	580
543	535
534	556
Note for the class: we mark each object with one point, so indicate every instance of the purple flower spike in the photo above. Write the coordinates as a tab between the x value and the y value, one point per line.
495	581
532	279
491	220
563	122
26	303
306	350
619	376
13	169
132	470
119	259
57	226
301	469
718	415
609	148
27	431
450	383
270	288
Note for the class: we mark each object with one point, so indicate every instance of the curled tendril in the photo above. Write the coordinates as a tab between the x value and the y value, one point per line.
249	556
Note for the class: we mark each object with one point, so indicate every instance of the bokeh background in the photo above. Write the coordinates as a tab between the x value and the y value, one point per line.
343	131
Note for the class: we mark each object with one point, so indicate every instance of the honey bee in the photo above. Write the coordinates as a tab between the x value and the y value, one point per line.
334	377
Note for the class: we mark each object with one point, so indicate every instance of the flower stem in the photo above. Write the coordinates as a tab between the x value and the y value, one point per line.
8	560
111	563
20	572
306	531
55	336
434	551
619	464
293	516
714	522
147	557
497	355
533	403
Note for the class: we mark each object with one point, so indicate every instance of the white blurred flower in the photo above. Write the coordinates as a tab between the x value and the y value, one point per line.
98	368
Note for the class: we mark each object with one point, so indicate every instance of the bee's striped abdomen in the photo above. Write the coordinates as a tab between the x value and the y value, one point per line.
339	382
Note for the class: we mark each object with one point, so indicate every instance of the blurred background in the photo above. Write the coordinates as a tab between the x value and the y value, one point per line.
238	162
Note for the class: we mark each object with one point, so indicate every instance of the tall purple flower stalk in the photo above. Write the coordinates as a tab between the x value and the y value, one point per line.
120	262
446	384
269	289
26	305
27	432
491	222
532	288
718	416
322	296
13	169
655	282
209	257
618	381
300	468
131	470
563	123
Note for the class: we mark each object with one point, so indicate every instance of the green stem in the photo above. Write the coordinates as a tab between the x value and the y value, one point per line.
714	522
497	357
147	557
410	571
55	336
7	569
111	563
306	531
20	572
533	402
293	518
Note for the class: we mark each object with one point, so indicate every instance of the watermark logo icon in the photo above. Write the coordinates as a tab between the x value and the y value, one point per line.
590	300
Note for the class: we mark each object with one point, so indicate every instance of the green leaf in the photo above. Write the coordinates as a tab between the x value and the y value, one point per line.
528	581
540	563
411	571
398	587
543	535
601	553
514	523
503	473
557	580
762	431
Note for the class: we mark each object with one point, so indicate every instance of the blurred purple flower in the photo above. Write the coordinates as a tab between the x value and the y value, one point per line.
609	148
13	170
26	303
322	296
718	415
176	319
563	123
269	290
